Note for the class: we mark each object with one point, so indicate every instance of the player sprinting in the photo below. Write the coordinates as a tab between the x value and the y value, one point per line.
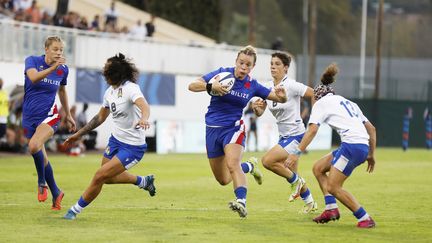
130	112
45	76
225	131
290	126
358	138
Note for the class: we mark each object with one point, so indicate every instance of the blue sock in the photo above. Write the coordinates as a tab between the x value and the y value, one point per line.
38	158
49	177
360	213
247	167
82	203
293	178
305	194
240	193
139	180
79	206
330	202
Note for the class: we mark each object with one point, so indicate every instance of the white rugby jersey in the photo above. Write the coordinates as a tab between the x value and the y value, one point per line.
342	115
287	114
125	113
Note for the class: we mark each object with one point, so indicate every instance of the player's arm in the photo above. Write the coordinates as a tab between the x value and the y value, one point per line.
278	94
372	145
65	104
307	139
310	95
200	85
259	106
92	124
35	76
142	104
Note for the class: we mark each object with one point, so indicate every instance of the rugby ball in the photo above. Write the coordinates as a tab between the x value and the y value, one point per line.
225	79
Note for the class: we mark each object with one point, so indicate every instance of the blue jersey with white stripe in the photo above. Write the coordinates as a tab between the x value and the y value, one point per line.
39	97
226	110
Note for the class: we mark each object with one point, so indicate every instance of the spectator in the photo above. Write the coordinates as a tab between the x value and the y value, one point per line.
277	44
46	19
138	31
4	110
22	4
82	117
34	13
95	23
150	26
111	14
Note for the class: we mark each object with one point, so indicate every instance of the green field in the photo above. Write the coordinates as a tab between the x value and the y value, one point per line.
190	206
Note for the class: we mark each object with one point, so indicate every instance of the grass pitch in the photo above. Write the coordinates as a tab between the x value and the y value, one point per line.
190	206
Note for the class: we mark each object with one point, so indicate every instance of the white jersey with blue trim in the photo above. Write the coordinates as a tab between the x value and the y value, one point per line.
287	114
125	113
342	115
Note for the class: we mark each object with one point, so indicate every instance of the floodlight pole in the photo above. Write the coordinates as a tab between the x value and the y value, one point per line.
378	49
363	49
252	38
312	42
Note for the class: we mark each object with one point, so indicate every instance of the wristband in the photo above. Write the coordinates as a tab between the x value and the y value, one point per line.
209	88
297	151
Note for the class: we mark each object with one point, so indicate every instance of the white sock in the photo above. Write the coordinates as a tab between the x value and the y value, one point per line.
308	199
366	216
77	208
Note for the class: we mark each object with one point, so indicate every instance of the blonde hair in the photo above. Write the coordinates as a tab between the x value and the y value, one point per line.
50	39
248	50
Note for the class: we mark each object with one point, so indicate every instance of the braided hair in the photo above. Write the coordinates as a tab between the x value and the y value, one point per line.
327	78
119	69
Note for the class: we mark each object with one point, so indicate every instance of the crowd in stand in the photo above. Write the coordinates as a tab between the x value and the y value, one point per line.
29	11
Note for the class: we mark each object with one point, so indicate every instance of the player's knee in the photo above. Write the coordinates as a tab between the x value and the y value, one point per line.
266	162
317	170
333	188
101	177
223	181
34	146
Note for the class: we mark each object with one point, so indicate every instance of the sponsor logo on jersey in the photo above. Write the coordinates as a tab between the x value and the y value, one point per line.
50	81
120	93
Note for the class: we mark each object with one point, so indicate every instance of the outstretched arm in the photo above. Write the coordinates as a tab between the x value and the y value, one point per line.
307	139
142	104
278	94
93	123
259	106
372	145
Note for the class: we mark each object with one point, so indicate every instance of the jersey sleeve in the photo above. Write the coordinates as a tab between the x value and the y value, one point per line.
317	115
210	75
105	102
65	76
29	64
362	117
261	90
134	92
299	89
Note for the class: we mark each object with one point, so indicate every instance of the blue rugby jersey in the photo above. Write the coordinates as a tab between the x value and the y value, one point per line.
226	110
40	97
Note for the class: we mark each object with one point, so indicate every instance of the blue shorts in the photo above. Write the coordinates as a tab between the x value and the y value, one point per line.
289	143
129	155
348	156
218	137
30	124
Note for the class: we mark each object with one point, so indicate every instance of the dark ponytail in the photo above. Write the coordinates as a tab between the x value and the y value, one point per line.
119	69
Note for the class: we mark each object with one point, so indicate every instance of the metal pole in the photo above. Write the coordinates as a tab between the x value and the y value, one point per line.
305	39
363	49
312	42
252	38
378	49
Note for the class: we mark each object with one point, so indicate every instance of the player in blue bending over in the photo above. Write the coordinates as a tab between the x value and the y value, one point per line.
45	76
130	112
225	131
358	138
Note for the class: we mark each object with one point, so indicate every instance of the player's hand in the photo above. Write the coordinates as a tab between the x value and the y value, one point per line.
290	162
71	140
280	92
371	164
259	104
218	88
143	123
70	123
60	61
